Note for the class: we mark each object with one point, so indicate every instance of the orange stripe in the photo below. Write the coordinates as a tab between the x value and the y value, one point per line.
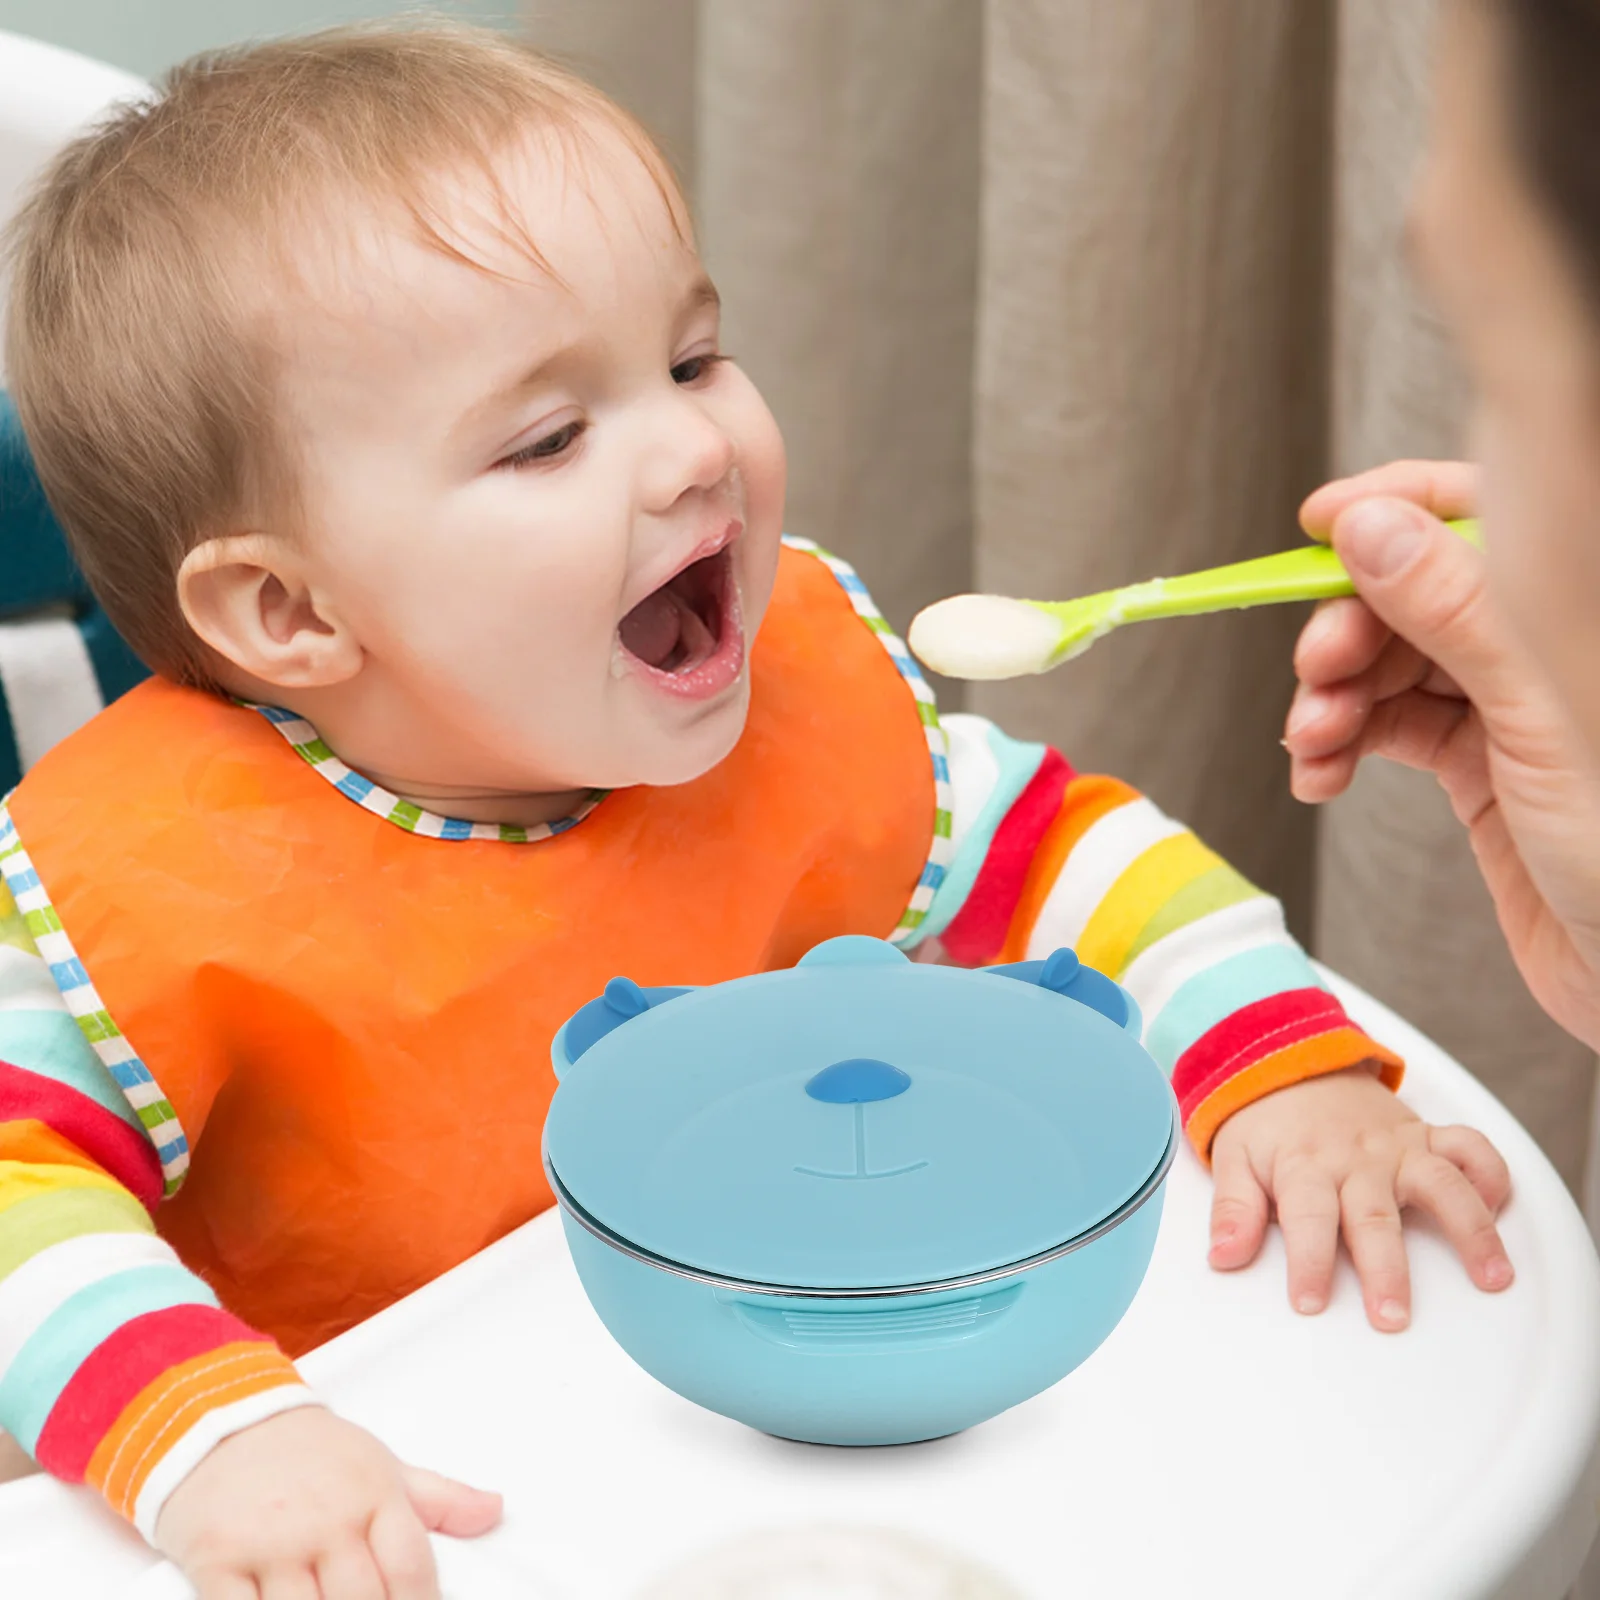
167	1407
1086	800
29	1140
1310	1058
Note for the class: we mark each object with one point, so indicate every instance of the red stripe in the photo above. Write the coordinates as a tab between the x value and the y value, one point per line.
124	1152
118	1369
977	932
1249	1034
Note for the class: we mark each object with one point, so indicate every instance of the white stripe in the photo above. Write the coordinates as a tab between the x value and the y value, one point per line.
140	1095
116	1052
1099	858
429	826
25	982
1161	971
54	946
49	683
34	899
974	771
44	1283
209	1430
81	999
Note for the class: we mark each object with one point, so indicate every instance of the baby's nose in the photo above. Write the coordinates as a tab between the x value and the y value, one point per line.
693	454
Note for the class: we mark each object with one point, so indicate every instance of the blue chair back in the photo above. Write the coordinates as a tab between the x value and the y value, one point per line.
60	658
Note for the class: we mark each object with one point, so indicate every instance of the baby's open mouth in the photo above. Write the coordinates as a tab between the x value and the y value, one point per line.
679	627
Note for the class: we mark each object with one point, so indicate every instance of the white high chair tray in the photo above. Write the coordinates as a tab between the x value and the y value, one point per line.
1216	1445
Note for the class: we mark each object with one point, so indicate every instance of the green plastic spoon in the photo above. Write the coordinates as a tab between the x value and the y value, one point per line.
987	636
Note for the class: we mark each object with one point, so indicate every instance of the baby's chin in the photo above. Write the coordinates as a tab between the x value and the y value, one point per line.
688	747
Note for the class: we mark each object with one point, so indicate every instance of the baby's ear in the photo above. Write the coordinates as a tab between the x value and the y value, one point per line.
251	601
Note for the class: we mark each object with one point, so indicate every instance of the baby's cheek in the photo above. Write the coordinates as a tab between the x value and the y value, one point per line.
762	460
764	470
768	476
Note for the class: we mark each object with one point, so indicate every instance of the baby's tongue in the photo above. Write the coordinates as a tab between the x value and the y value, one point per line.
654	627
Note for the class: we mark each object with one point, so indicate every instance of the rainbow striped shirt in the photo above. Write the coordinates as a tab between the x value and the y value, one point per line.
119	1368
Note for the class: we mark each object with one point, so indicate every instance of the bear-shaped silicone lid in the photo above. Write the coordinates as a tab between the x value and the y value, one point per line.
858	1121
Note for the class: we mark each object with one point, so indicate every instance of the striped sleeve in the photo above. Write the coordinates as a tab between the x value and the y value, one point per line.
117	1366
1044	857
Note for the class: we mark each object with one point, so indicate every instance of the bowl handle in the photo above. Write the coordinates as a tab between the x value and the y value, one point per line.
833	1326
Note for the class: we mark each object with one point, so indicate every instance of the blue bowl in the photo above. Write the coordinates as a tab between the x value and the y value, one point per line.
862	1202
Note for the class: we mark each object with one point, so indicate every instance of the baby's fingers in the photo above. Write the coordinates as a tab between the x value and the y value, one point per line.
1238	1208
446	1506
1308	1214
350	1572
1440	1188
289	1582
1371	1216
404	1557
224	1586
1484	1166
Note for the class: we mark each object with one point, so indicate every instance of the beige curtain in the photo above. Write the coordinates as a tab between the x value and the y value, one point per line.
1055	294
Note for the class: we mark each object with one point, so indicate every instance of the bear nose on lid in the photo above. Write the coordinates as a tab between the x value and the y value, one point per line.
858	1081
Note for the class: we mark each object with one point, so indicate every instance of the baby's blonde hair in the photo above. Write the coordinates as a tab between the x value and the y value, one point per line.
144	383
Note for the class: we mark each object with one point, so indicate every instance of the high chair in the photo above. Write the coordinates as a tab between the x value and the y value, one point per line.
1216	1445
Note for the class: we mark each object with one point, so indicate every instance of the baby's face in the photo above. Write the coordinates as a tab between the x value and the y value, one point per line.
537	495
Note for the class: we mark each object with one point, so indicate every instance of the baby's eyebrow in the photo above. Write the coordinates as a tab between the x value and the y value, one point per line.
481	411
703	293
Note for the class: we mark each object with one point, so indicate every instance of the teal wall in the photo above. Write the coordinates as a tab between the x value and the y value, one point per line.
145	36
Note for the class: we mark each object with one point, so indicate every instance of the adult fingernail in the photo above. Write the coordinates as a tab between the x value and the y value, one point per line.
1381	538
1308	710
1393	1314
1318	624
1308	1305
1498	1273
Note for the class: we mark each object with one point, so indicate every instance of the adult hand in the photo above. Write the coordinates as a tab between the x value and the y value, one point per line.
1423	669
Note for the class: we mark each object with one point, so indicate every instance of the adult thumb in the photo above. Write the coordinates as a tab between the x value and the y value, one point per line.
445	1506
1431	587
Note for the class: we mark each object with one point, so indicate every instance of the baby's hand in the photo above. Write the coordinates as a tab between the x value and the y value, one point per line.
1342	1152
306	1506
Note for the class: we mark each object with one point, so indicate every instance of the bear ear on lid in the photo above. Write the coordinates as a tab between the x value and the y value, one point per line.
1061	972
1060	968
851	950
625	998
621	1001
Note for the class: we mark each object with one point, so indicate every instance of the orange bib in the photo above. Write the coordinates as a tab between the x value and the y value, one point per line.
353	1022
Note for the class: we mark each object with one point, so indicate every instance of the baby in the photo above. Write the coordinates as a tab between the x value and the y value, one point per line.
377	382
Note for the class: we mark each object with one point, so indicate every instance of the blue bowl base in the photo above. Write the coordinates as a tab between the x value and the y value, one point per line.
902	1369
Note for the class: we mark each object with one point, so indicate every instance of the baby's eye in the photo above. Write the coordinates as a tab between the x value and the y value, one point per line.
546	449
695	368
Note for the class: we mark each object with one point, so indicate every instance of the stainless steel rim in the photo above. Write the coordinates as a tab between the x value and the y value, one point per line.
716	1280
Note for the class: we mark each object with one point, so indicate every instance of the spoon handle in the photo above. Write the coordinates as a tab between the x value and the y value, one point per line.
1312	572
